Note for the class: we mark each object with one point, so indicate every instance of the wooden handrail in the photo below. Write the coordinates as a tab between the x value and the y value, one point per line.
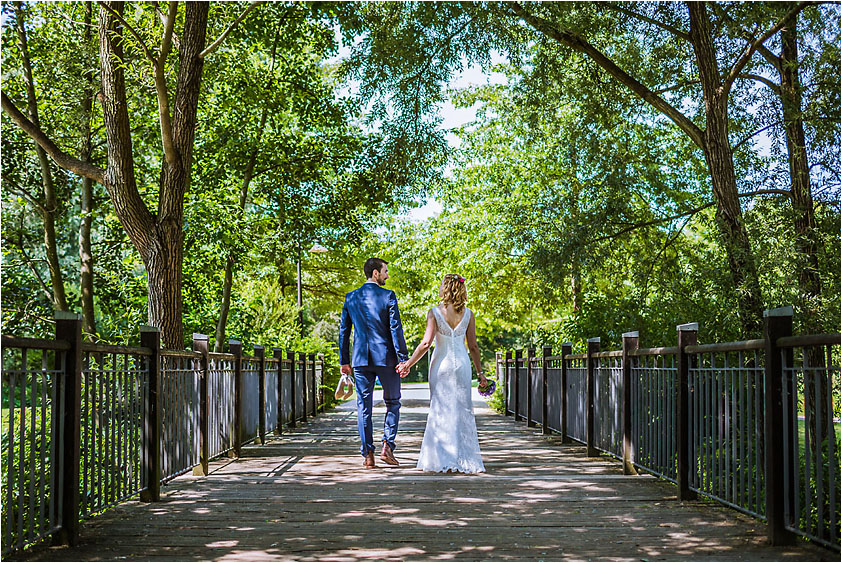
662	351
40	343
829	339
756	344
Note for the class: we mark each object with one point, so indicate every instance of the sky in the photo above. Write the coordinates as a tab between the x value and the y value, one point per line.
453	117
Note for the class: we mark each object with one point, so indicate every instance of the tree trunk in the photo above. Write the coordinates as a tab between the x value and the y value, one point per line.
86	261
714	142
720	161
809	280
158	238
804	220
50	203
225	306
219	338
576	288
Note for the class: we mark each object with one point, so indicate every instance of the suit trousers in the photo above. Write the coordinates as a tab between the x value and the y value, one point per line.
364	382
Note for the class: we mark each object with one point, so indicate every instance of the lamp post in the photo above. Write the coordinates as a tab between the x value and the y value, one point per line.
316	249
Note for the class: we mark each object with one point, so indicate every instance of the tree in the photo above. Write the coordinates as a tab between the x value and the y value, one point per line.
48	205
713	140
412	61
158	237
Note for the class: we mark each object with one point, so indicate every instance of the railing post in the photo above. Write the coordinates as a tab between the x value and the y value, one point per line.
236	347
150	337
506	406
593	348
291	359
69	329
279	355
518	356
566	350
311	359
200	344
260	354
630	344
302	359
321	380
501	381
687	336
777	323
546	352
530	364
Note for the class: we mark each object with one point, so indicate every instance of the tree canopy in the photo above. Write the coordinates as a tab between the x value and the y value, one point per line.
639	165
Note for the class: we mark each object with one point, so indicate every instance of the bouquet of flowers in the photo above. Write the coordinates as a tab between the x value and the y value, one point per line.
487	390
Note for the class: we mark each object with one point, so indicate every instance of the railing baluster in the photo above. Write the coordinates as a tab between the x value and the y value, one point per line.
42	450
817	446
833	463
8	536
291	360
546	352
591	361
22	449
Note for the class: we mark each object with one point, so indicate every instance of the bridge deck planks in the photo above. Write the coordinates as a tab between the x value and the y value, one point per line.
304	496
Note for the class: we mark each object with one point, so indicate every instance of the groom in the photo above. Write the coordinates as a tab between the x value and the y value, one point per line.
378	348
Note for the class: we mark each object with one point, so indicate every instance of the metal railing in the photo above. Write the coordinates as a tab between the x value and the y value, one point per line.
607	382
221	393
752	424
33	396
726	424
87	426
115	390
654	380
810	383
576	396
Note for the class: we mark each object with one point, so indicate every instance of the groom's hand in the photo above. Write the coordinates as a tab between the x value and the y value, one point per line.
402	369
346	369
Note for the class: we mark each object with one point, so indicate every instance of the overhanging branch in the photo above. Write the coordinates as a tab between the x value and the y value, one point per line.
762	129
61	158
213	46
684	214
754	45
170	153
578	43
132	30
681	34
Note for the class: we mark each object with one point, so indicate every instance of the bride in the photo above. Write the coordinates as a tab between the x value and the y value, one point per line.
450	437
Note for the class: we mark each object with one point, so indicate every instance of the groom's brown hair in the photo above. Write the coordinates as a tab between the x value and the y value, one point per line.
373	264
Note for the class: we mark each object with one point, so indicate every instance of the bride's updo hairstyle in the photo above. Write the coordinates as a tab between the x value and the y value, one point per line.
453	291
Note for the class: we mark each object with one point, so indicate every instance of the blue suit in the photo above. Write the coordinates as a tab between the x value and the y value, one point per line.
379	346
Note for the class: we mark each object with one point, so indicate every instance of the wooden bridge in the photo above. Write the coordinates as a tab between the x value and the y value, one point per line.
304	496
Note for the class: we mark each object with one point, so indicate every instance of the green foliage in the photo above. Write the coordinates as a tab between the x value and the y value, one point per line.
572	208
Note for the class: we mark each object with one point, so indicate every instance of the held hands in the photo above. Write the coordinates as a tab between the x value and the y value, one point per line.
403	369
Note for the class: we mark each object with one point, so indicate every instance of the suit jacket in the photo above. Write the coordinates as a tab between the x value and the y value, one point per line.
378	334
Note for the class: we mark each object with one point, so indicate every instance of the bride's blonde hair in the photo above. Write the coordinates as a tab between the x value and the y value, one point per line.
453	291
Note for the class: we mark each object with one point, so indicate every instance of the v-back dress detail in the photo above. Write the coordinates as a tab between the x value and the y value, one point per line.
450	437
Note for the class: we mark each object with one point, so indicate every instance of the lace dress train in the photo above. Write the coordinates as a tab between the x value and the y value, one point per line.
450	436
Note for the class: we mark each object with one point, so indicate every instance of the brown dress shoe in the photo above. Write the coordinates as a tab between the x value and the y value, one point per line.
369	461
387	455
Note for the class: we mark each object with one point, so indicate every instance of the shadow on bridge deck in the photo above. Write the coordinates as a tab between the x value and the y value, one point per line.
305	496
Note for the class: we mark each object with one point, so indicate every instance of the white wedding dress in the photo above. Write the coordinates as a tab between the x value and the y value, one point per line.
450	437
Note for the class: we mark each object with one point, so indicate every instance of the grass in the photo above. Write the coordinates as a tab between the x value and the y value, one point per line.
802	430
